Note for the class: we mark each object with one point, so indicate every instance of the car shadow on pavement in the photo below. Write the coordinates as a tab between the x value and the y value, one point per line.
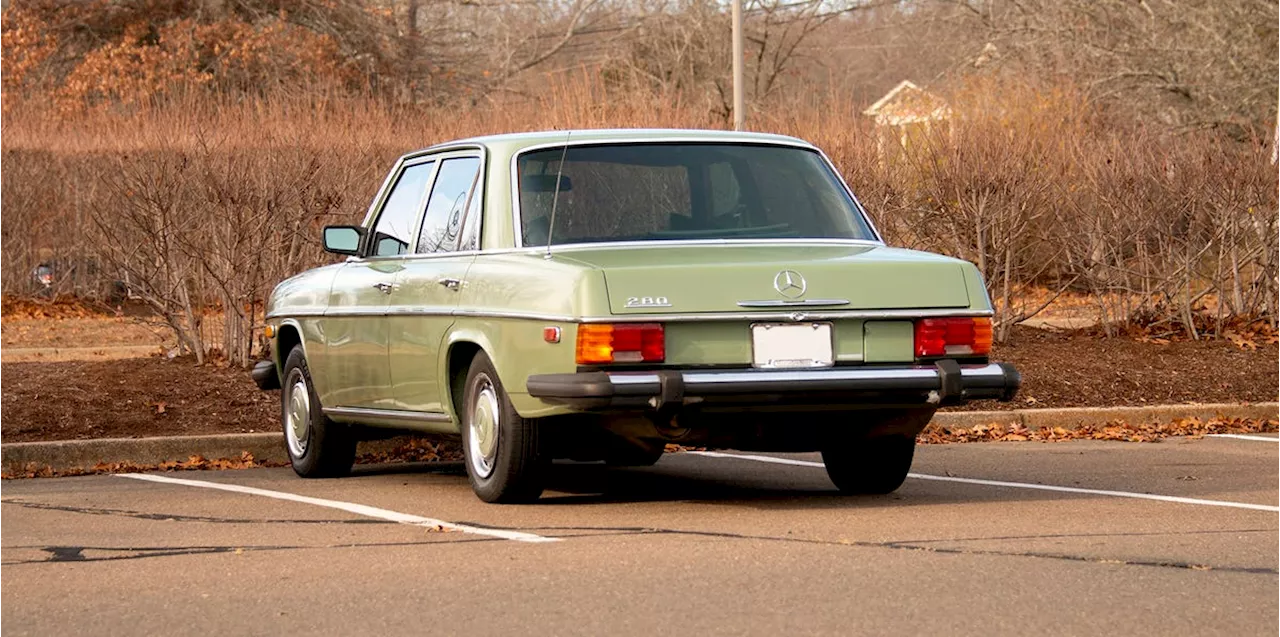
584	483
447	467
596	483
689	479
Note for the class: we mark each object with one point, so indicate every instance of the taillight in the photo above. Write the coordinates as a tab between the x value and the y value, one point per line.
600	343
953	336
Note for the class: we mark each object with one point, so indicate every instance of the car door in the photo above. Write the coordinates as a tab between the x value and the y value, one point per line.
355	324
428	287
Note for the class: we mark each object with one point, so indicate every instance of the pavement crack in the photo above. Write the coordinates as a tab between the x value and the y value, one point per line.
906	546
1052	536
57	554
174	517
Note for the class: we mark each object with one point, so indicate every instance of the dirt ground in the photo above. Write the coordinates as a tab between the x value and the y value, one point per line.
1080	369
134	397
62	330
155	396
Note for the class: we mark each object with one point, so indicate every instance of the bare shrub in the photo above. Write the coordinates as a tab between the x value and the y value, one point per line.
1041	190
218	223
205	201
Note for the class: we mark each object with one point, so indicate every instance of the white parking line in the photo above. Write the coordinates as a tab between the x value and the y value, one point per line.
1015	485
1245	437
358	509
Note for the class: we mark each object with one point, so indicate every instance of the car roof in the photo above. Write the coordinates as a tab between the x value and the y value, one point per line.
515	142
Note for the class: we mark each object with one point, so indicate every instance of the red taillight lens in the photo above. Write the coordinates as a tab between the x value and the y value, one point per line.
622	343
953	336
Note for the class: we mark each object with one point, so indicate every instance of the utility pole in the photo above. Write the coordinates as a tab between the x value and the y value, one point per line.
739	109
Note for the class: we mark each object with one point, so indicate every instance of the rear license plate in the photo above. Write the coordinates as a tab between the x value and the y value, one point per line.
788	345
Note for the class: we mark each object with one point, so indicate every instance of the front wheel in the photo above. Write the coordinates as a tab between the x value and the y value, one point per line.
503	458
318	447
869	465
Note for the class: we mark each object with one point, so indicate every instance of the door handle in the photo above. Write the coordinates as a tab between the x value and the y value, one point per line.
385	288
451	283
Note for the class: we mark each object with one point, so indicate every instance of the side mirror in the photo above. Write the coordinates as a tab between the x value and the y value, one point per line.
343	239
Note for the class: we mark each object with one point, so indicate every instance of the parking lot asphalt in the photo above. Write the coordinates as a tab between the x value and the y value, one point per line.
1071	538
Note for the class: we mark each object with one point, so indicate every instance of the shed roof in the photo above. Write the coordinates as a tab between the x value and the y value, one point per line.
907	103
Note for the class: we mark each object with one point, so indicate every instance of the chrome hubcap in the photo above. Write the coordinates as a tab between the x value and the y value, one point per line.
482	443
297	415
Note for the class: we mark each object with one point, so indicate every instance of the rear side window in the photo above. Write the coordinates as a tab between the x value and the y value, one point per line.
447	207
394	231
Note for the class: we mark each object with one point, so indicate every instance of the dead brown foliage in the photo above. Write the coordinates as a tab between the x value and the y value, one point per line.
415	450
192	463
195	149
61	308
1117	430
412	450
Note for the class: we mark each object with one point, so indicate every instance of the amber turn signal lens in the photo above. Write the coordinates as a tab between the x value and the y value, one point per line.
270	331
595	344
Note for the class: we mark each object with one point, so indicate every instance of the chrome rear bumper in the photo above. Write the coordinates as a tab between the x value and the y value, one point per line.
943	383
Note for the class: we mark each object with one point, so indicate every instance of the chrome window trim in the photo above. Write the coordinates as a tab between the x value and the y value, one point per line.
518	234
684	243
446	151
634	245
379	203
440	157
856	202
380	195
446	147
648	318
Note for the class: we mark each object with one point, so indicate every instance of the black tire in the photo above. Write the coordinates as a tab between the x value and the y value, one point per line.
504	461
875	465
328	449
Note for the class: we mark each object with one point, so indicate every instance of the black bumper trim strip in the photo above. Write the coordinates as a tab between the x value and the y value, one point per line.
265	376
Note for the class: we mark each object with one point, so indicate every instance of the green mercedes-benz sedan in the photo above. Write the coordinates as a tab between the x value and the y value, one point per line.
597	295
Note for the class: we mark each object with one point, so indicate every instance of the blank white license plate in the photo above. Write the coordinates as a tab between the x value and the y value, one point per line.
787	345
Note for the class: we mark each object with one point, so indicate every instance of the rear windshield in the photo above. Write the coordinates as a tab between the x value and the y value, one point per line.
682	191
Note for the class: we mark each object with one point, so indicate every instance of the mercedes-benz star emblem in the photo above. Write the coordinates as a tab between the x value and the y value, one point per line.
790	284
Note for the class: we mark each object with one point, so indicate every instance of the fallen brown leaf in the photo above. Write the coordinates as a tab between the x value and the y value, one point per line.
1113	431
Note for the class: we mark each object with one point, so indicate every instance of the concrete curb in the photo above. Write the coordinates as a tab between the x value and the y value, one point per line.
269	447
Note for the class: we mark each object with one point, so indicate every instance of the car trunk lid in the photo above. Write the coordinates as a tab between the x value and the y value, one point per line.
755	278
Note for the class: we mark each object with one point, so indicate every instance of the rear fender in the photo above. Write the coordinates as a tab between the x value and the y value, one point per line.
518	350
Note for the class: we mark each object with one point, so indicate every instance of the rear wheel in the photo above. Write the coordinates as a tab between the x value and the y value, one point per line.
874	465
318	447
503	458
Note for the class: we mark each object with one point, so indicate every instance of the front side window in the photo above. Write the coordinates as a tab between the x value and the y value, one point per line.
682	191
394	230
447	207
